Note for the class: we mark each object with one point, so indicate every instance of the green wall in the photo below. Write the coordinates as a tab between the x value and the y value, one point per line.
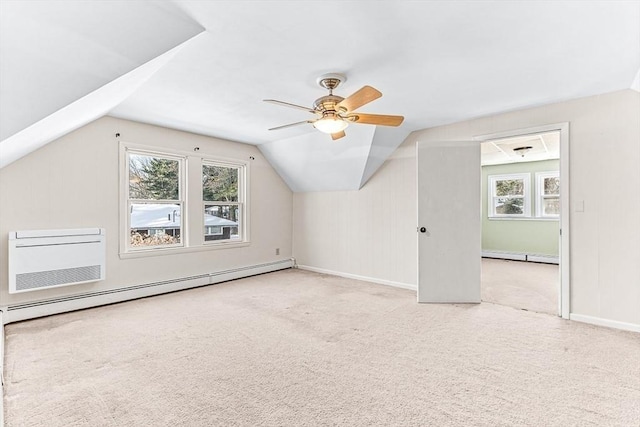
528	236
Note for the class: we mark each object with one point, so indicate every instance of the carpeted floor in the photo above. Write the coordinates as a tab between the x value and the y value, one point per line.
295	348
524	285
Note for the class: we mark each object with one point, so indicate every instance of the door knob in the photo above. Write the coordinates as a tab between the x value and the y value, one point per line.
423	229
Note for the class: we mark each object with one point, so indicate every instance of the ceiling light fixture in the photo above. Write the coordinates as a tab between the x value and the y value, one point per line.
522	150
330	123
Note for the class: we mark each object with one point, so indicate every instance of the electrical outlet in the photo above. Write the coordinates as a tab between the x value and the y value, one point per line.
277	251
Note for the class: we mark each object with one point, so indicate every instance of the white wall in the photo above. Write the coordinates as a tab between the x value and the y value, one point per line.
73	182
372	232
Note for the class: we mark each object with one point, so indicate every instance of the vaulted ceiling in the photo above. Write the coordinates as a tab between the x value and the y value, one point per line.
206	66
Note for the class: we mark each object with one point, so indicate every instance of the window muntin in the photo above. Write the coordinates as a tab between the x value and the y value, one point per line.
154	200
548	191
223	202
509	196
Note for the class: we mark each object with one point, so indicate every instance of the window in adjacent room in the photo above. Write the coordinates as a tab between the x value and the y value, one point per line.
548	194
509	196
155	203
223	202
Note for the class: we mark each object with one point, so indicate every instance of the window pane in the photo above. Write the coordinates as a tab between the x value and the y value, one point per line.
221	222
153	178
509	206
155	224
552	185
510	187
219	183
551	206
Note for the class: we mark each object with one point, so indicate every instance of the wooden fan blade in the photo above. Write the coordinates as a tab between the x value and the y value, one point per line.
359	98
376	119
338	135
293	124
287	104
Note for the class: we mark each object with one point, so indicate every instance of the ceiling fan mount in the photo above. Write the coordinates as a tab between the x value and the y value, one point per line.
334	113
329	102
331	81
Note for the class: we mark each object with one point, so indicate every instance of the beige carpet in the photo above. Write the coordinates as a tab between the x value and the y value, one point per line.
295	348
524	285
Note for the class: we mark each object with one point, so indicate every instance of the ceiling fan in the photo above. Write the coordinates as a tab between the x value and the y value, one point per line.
334	113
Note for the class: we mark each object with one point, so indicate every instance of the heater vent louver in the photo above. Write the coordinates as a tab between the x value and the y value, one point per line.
45	279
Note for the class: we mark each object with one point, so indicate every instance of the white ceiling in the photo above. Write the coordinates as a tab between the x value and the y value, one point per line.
435	63
544	146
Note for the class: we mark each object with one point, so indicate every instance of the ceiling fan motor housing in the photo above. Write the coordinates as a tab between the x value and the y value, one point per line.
327	103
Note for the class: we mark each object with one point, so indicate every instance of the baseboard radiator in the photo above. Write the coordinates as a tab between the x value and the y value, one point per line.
30	310
546	259
41	259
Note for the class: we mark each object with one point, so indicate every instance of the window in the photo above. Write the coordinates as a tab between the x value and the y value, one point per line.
548	192
509	196
222	202
179	201
154	202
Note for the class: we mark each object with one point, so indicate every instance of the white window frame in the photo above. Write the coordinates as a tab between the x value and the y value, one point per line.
241	203
129	201
192	218
540	195
491	191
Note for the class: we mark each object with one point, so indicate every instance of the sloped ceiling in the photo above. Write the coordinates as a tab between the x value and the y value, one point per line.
64	64
435	63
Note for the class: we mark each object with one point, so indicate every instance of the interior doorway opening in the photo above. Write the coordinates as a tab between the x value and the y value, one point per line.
521	221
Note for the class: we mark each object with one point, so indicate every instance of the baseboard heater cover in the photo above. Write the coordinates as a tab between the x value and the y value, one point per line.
29	310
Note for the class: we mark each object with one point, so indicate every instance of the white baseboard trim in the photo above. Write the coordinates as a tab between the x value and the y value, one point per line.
30	310
504	255
547	259
357	277
605	322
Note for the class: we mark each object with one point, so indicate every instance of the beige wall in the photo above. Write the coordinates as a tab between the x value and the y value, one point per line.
372	232
73	182
368	233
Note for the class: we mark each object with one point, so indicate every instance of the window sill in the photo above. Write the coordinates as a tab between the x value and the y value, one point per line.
143	253
515	218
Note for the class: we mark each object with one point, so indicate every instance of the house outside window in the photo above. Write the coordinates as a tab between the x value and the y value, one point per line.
223	201
548	194
509	196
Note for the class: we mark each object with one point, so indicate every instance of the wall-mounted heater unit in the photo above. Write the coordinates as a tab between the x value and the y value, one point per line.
42	259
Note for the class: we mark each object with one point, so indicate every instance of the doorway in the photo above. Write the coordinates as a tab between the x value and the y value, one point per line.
449	227
524	213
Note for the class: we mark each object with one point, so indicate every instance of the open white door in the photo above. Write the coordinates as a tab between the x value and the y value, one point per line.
449	227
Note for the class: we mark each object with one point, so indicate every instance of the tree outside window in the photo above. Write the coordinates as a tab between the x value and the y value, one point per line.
508	195
223	202
548	186
154	202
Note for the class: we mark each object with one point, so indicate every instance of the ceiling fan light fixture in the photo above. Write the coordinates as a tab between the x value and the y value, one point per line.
330	125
